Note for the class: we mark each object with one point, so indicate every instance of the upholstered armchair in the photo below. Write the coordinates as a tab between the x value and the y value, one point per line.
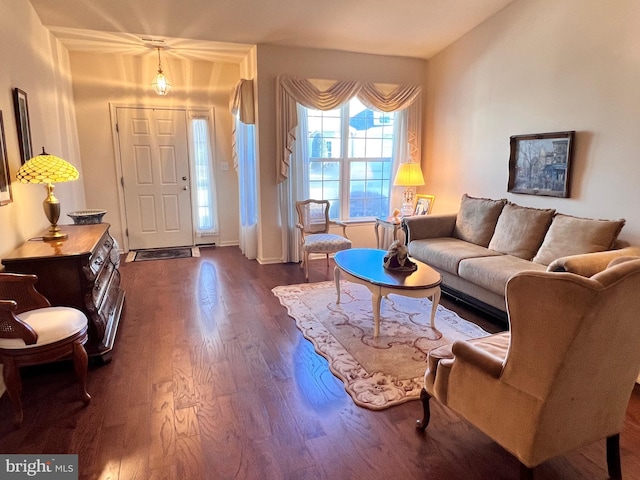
313	224
561	377
33	332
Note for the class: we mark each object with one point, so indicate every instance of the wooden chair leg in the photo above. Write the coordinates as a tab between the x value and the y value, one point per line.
306	266
80	365
526	473
613	457
422	424
11	377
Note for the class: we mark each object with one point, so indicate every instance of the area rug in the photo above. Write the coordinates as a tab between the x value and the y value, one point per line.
162	254
377	373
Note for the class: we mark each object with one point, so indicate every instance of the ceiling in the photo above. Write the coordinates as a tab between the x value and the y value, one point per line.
224	30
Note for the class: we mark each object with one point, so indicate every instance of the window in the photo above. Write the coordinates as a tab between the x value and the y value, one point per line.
204	194
350	152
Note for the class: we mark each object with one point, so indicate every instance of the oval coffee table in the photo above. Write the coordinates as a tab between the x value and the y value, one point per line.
365	266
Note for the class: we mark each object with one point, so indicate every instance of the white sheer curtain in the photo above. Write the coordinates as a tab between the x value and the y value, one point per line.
294	92
245	163
206	211
295	188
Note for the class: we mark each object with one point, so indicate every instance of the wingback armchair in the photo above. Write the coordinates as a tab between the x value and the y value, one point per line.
561	377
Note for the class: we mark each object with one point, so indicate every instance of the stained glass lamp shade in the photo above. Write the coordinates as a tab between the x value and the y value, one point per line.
49	169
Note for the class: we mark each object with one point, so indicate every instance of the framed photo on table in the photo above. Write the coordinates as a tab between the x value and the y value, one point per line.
5	178
24	126
424	204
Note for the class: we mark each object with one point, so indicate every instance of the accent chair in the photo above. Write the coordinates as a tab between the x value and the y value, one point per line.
313	224
32	332
560	378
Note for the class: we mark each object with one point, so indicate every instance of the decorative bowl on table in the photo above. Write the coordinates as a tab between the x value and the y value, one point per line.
87	217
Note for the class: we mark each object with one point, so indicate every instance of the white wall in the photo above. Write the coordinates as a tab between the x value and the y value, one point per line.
540	66
311	63
34	61
100	79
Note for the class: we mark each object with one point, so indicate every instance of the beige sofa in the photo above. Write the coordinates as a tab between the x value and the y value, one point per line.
488	241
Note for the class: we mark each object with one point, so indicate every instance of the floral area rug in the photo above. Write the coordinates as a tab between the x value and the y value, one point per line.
377	373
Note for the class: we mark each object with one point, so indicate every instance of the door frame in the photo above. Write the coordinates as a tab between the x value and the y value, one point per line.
117	157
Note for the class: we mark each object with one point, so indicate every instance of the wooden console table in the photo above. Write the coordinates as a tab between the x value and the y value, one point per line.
80	271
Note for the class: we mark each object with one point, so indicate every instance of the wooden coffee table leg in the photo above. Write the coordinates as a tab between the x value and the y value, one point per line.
435	300
336	278
376	299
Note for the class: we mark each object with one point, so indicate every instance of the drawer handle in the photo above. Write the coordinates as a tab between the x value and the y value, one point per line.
98	261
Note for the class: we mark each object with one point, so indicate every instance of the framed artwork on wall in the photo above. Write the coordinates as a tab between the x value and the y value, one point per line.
5	178
539	164
424	204
24	127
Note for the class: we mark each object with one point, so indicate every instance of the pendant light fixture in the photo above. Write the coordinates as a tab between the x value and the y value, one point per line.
160	84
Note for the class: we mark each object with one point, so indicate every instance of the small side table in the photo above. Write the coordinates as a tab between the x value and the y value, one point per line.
392	223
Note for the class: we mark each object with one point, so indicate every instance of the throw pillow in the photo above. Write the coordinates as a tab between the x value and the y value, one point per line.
477	219
569	235
521	230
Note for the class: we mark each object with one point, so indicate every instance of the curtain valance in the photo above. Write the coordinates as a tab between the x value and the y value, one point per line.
241	101
329	94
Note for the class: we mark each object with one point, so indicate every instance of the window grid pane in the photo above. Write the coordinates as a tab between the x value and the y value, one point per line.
367	165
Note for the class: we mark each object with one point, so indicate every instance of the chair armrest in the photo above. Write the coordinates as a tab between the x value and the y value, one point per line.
340	224
429	226
588	264
12	327
481	359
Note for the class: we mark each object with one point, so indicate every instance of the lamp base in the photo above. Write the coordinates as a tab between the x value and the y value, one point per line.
54	233
407	209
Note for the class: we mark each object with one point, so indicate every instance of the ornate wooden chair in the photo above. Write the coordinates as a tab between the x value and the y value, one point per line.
560	378
314	223
32	332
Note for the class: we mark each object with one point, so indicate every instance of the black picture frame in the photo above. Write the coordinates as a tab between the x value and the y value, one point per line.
21	107
5	178
540	164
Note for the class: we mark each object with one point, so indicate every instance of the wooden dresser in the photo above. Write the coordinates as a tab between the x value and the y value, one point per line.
82	272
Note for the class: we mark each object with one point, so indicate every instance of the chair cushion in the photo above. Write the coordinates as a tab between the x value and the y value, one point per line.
325	242
570	235
52	324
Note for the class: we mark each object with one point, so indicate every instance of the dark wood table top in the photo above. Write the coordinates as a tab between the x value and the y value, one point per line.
367	264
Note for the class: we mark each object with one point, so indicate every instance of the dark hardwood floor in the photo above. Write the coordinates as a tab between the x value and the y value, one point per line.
210	379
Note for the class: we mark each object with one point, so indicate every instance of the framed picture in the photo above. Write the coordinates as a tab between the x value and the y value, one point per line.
424	204
24	127
539	164
5	179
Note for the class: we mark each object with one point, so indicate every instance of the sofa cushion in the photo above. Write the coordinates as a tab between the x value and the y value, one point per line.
477	219
492	273
445	253
520	230
569	235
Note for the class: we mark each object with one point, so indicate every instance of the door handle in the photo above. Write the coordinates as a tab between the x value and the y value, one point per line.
184	178
185	188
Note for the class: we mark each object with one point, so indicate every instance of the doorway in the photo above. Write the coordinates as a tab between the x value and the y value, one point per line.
154	156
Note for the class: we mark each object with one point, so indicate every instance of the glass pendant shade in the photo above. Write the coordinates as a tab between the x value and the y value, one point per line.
161	84
48	169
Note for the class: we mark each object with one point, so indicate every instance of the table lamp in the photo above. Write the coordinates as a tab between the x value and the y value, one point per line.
409	175
48	169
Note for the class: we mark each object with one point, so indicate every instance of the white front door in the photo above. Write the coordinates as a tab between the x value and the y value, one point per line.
155	175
